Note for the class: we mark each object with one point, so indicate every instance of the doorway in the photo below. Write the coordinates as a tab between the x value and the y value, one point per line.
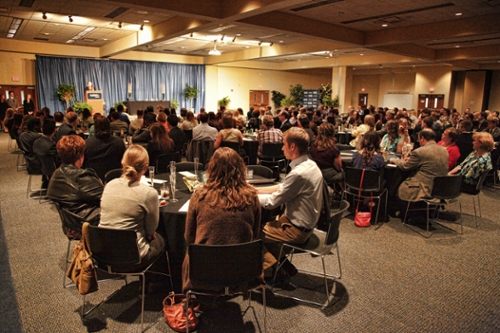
20	93
428	101
363	100
259	98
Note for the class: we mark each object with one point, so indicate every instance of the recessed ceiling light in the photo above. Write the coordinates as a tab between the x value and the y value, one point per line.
56	24
46	34
361	54
104	39
457	46
281	41
142	12
458	14
238	35
146	21
384	25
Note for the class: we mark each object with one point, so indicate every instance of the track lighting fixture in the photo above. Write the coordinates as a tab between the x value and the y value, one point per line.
44	16
271	44
260	43
142	27
222	38
120	24
70	17
214	51
191	35
234	39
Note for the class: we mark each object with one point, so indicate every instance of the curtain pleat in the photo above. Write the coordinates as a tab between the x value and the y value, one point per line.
113	78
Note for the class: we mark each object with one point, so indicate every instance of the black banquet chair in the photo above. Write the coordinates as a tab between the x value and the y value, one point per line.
261	170
112	174
476	193
320	243
188	166
445	191
115	251
163	163
236	265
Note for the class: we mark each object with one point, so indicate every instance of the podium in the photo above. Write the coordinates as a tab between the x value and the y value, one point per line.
94	98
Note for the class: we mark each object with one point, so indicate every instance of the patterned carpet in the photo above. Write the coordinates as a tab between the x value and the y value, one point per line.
393	279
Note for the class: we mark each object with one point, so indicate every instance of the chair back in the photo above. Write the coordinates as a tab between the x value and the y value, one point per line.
236	264
342	146
372	181
324	216
261	170
333	227
272	151
188	166
447	187
163	162
203	149
113	247
112	174
34	165
189	134
481	180
233	145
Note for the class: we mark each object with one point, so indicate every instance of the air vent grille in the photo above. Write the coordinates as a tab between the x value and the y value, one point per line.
316	4
117	12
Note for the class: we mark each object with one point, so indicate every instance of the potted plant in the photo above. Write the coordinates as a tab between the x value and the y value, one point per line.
174	103
224	101
287	101
296	94
78	106
66	92
190	92
277	97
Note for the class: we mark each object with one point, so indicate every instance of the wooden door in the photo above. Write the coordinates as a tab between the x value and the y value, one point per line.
363	100
20	93
259	98
428	101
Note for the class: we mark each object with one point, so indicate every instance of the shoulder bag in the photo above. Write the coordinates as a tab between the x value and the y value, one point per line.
82	270
363	219
174	311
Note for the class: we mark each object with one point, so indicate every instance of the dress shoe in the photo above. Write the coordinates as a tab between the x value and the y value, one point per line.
289	268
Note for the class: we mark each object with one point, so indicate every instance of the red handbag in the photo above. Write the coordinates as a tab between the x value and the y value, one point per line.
174	311
363	219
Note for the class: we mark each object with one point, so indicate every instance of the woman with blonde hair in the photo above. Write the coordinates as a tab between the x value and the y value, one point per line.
225	210
477	162
368	125
190	122
128	204
327	156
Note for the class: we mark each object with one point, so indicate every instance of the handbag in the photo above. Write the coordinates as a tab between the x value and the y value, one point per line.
82	270
363	219
174	311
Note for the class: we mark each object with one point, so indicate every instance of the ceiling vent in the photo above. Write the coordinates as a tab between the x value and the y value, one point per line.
42	39
392	19
315	4
117	12
26	3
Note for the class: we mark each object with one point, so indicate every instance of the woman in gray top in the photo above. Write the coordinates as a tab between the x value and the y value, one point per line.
128	204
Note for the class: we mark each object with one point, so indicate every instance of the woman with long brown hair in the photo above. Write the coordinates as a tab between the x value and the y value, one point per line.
326	155
226	210
391	140
160	143
368	157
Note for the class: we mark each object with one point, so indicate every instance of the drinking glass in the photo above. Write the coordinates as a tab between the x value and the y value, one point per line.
165	193
249	174
172	186
196	161
152	175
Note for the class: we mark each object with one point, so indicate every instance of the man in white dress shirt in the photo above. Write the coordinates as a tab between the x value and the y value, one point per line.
203	131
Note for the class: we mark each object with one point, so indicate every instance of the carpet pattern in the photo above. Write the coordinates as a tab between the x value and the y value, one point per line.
393	279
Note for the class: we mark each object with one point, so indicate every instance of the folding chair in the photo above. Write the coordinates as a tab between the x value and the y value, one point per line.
476	194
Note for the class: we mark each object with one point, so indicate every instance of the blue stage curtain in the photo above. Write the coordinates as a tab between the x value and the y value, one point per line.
113	77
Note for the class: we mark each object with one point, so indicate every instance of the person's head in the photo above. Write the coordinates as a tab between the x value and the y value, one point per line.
465	126
71	149
58	117
190	116
482	141
268	121
227	120
48	127
492	122
183	112
33	124
204	117
425	136
392	129
450	135
255	113
135	162
71	118
120	108
102	129
157	131
172	120
370	141
283	116
427	122
211	115
86	113
11	94
140	113
162	117
303	121
114	116
226	167
295	143
149	119
370	121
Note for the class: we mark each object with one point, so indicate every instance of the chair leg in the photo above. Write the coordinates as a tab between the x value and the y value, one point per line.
406	212
475	214
67	261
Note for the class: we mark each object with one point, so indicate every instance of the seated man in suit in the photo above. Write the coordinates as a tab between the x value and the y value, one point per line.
175	133
118	127
45	148
428	162
302	194
142	135
68	127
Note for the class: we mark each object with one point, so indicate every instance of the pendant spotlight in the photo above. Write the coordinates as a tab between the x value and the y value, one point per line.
44	16
70	17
